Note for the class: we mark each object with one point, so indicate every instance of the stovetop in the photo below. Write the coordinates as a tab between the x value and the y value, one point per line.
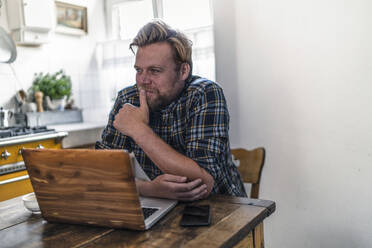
19	131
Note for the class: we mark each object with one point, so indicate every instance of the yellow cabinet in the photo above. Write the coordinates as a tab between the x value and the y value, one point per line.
17	183
14	151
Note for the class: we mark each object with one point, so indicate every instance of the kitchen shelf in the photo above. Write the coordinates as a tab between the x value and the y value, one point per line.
54	117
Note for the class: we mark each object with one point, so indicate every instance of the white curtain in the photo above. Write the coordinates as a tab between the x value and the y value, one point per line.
118	59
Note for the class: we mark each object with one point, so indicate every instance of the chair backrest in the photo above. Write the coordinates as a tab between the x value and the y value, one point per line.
250	166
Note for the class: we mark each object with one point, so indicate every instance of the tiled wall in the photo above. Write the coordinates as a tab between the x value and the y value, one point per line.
75	54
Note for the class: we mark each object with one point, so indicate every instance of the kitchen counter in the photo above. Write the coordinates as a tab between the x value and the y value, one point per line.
80	134
31	138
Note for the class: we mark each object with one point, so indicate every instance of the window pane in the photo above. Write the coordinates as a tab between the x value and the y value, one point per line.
188	14
133	15
191	16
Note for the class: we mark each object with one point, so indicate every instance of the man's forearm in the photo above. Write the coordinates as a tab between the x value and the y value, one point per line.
169	160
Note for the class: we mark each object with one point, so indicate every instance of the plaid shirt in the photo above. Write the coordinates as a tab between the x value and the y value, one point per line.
196	125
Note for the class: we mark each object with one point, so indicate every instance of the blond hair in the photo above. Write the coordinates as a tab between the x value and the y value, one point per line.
158	31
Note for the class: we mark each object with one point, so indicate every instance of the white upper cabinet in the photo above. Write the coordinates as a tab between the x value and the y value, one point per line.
30	20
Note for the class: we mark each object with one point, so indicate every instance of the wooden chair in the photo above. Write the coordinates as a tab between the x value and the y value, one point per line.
250	167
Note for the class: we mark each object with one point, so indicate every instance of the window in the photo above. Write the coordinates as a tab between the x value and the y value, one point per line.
126	17
185	15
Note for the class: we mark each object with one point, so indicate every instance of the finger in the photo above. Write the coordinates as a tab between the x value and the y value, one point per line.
204	194
143	100
127	106
186	187
116	121
200	196
199	193
194	192
174	178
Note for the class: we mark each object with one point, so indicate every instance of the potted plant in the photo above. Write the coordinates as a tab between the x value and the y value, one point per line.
56	89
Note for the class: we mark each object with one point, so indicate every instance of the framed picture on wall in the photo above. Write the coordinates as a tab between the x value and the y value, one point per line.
71	19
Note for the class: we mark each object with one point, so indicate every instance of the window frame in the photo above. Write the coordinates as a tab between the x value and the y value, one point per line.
157	8
200	53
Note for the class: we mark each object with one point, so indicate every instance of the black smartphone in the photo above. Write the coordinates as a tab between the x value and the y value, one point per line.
196	215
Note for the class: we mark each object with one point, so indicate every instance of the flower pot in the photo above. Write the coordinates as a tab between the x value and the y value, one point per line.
56	104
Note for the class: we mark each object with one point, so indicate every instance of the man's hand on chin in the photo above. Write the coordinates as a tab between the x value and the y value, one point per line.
130	119
174	187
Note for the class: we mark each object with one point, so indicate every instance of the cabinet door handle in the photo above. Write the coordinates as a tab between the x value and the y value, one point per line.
5	155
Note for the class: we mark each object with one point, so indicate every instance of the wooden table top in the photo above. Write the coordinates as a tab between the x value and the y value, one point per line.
232	218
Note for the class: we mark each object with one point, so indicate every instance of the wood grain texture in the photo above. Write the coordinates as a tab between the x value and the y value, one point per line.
259	236
17	157
270	206
12	213
166	233
231	223
223	233
50	235
21	228
247	242
250	168
11	190
99	182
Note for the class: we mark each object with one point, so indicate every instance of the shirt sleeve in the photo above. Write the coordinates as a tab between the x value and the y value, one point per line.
111	137
207	133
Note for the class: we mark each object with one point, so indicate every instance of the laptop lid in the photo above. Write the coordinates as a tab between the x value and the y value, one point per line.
81	186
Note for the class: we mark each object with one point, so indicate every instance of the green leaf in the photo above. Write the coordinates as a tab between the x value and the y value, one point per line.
56	85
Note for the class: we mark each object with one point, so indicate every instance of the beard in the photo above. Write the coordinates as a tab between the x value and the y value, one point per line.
157	101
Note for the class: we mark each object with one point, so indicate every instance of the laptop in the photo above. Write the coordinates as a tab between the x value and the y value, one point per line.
94	187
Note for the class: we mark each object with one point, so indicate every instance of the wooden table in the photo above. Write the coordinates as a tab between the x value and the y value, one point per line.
236	222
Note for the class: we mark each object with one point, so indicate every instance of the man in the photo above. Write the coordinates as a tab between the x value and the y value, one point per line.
175	123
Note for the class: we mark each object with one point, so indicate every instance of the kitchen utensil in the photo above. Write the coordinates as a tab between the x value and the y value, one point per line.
29	107
8	51
5	116
20	98
20	119
39	101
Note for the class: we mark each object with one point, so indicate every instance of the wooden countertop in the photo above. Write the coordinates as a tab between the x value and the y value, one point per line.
232	219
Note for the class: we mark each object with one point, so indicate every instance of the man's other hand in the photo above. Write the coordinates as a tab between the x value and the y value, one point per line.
130	119
174	187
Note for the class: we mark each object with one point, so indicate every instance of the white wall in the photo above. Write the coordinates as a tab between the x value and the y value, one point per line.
298	76
76	55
